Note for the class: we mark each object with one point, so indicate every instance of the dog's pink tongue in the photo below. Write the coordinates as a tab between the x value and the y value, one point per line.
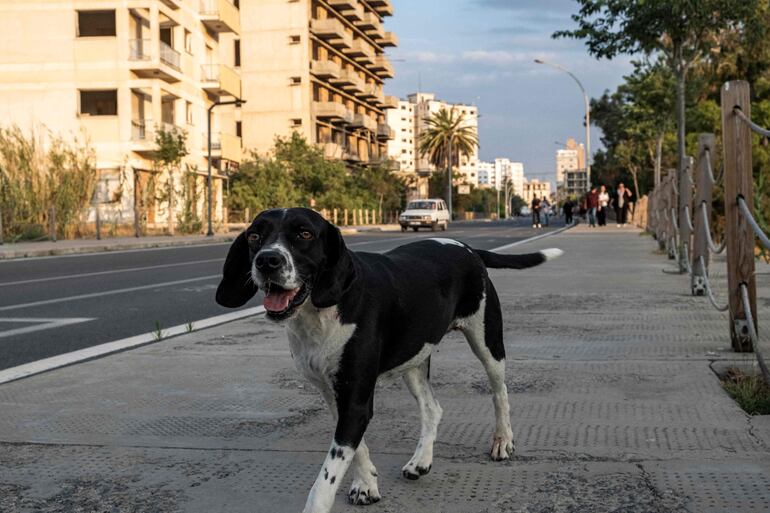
279	301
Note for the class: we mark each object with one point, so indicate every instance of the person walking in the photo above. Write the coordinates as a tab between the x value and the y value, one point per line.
535	212
546	209
604	203
622	202
567	208
592	203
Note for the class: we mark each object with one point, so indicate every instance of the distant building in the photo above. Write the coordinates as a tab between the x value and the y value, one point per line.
317	69
486	174
571	173
535	188
509	172
403	148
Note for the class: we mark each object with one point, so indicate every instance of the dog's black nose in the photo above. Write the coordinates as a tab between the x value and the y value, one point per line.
270	260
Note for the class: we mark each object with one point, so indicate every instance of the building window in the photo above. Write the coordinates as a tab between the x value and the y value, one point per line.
296	122
237	54
238	129
189	112
99	103
187	41
96	23
294	39
295	80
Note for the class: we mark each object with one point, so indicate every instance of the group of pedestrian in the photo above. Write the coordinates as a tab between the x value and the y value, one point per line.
599	201
541	212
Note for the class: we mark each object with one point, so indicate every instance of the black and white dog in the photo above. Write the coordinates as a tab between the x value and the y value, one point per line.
370	315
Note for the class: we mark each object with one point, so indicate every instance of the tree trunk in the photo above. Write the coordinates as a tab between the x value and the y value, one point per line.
449	179
171	227
658	156
681	71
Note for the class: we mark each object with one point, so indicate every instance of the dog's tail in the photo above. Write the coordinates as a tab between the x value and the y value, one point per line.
498	261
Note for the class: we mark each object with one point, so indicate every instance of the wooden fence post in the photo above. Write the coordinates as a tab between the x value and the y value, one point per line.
345	217
335	216
739	182
671	233
705	189
685	206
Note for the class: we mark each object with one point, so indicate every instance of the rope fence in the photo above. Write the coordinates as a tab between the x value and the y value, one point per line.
686	232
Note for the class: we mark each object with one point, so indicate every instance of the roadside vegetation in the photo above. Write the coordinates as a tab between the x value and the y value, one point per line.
41	173
296	173
752	393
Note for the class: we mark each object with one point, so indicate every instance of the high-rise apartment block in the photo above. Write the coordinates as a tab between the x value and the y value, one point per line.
409	122
317	67
115	72
501	172
571	173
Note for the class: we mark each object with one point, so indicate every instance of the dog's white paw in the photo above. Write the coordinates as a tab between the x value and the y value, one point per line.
414	470
363	493
502	447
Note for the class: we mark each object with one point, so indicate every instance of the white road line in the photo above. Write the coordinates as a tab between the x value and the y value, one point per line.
39	324
105	293
97	252
102	273
89	353
531	239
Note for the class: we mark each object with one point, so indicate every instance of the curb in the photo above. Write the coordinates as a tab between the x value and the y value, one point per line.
107	247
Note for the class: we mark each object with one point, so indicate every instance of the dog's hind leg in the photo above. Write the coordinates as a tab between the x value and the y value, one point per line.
484	331
416	380
364	490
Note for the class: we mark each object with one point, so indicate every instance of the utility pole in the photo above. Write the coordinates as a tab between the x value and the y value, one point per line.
238	102
449	180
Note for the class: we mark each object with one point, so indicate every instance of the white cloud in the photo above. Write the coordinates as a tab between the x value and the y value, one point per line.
496	57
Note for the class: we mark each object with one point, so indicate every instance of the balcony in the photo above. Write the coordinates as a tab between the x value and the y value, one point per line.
223	146
220	80
382	67
353	11
220	16
370	91
143	133
369	21
332	150
154	62
390	39
327	70
390	102
332	111
333	31
360	48
363	121
383	7
384	132
350	80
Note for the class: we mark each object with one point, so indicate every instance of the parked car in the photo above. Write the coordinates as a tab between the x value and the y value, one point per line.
427	213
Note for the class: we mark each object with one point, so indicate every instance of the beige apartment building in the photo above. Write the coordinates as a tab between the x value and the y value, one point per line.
571	174
536	189
408	122
317	67
115	71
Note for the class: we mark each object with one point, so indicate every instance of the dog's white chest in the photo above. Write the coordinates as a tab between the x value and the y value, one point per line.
317	339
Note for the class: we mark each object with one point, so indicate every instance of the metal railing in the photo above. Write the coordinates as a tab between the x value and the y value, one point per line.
687	232
140	49
169	56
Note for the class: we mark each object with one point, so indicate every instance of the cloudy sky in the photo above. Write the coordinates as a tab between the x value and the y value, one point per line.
482	52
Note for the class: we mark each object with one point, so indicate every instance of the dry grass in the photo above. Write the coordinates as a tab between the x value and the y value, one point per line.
750	392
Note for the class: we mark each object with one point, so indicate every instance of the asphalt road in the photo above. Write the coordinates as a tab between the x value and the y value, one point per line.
54	305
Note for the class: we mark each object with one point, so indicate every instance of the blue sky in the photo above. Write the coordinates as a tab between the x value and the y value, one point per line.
482	52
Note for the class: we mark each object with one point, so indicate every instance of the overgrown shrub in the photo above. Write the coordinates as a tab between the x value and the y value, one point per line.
40	173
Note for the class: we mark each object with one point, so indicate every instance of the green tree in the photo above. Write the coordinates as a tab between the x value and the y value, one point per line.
681	31
172	148
446	138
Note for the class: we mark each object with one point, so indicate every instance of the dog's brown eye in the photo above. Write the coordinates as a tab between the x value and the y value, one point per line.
305	235
253	237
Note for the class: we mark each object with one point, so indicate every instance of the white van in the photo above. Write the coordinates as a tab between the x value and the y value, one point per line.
427	213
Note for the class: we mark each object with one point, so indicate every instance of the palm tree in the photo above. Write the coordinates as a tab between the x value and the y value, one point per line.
447	135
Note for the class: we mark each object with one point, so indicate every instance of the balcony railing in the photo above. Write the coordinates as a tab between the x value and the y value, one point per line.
220	15
142	130
169	56
140	49
220	79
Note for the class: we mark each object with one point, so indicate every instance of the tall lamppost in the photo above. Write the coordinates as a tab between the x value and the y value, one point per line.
588	114
238	102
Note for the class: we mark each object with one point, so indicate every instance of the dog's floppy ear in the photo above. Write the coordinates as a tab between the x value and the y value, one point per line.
236	287
337	274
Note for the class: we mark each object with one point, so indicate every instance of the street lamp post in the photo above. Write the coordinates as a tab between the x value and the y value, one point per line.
588	114
238	102
449	180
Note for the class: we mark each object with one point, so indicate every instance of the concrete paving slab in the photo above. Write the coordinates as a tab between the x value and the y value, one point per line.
613	403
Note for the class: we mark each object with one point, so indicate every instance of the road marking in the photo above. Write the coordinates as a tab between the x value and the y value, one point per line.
89	353
531	239
40	324
106	293
97	252
102	273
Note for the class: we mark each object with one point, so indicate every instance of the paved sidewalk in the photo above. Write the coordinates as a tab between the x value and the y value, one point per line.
614	408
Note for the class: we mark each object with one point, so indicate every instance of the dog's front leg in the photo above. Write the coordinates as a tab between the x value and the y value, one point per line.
353	417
